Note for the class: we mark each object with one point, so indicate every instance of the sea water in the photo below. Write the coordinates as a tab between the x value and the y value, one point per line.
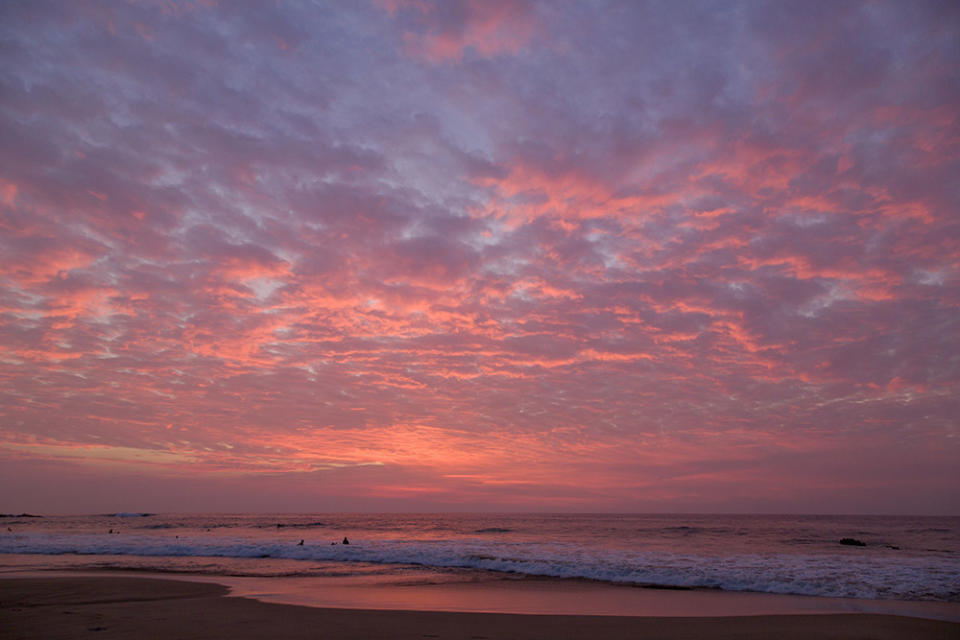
902	558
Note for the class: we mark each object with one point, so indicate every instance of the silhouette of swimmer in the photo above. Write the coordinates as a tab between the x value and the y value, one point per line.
300	544
345	541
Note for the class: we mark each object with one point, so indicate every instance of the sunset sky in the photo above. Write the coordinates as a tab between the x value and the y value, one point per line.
480	255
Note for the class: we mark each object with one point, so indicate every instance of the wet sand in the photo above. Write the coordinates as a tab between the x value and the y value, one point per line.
136	607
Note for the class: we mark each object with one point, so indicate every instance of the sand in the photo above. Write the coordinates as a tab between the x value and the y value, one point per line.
133	607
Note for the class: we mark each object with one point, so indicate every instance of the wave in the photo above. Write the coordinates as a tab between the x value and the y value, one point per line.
296	525
930	530
838	575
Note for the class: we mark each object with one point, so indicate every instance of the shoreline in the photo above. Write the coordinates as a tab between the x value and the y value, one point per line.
137	607
516	595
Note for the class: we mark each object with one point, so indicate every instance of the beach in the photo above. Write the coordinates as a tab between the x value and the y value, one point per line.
903	558
478	576
479	318
138	607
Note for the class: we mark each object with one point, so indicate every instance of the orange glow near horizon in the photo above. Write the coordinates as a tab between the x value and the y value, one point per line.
416	255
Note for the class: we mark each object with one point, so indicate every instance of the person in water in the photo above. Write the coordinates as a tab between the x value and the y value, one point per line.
345	541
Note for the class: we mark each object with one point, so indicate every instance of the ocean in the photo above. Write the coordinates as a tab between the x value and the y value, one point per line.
901	557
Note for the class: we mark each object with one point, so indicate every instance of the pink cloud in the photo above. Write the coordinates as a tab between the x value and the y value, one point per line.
670	262
444	31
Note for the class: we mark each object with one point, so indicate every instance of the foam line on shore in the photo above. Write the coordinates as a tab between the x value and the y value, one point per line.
121	608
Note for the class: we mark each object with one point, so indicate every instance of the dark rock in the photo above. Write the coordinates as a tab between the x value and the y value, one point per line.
852	542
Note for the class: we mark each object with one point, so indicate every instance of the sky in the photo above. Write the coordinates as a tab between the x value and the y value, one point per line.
480	255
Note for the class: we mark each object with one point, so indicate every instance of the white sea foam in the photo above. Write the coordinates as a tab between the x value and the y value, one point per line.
909	577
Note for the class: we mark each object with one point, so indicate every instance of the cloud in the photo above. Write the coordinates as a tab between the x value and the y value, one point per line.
521	253
443	31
